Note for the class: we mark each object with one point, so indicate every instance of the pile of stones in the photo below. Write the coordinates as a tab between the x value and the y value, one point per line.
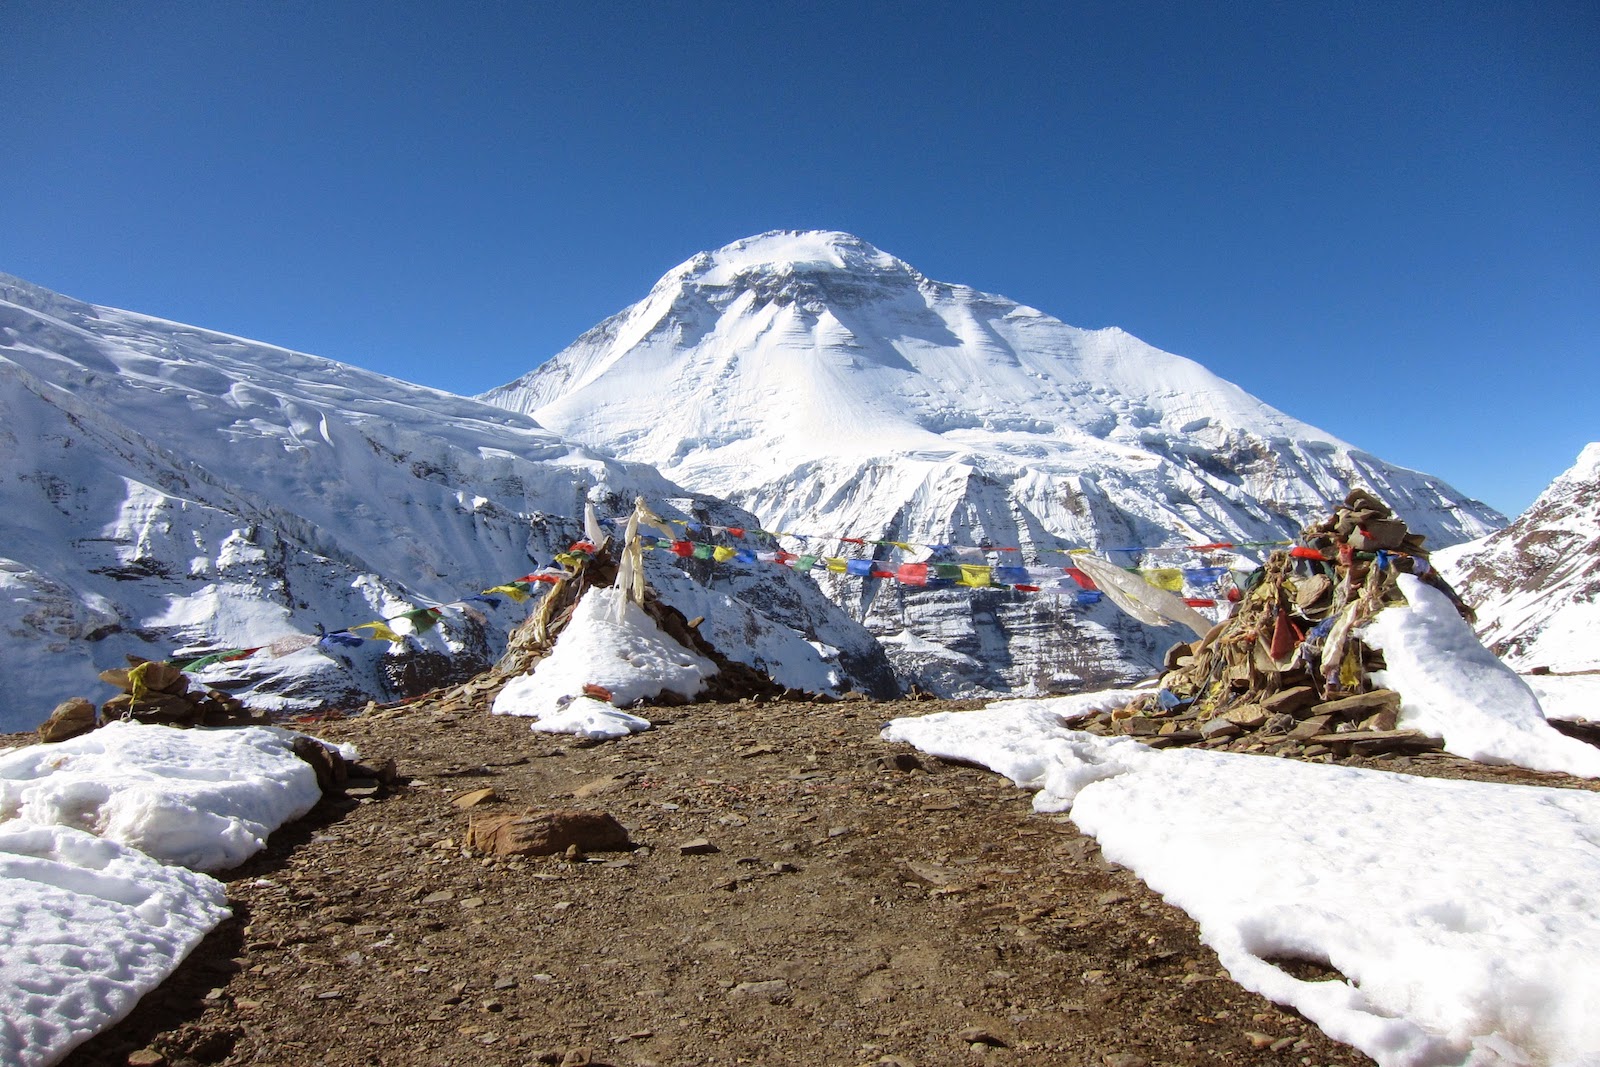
1287	672
152	692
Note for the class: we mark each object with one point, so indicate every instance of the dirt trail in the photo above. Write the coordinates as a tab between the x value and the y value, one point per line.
863	905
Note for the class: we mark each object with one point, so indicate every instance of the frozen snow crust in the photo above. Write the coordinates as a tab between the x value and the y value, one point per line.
1463	915
97	835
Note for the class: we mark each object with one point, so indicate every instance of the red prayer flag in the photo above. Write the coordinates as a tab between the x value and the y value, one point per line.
913	573
1083	580
683	548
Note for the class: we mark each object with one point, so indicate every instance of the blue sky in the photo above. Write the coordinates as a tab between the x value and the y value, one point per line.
1383	218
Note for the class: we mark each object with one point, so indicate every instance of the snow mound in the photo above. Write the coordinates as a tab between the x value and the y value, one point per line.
204	799
1452	687
613	644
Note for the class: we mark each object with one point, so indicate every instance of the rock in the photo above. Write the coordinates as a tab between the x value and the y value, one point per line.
977	1035
1248	716
331	769
1361	705
577	1057
474	798
71	718
1289	701
1139	726
698	846
1219	730
1387	719
1124	1059
1310	727
1278	724
146	1057
546	833
771	991
1259	1040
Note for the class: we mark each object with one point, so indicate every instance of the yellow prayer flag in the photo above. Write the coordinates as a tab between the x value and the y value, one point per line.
380	632
722	553
515	592
1168	578
836	565
974	575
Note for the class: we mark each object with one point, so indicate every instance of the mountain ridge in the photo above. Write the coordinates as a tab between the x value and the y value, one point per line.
172	488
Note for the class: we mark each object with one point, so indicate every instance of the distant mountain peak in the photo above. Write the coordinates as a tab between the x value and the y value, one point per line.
789	252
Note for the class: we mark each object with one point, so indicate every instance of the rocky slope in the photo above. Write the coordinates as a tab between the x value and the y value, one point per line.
832	389
1536	583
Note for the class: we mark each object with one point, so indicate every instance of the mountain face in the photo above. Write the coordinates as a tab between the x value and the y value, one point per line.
166	487
1536	584
829	388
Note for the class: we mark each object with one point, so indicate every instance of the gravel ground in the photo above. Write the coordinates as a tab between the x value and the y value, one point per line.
852	903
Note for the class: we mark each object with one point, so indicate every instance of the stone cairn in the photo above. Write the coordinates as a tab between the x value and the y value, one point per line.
152	692
1287	673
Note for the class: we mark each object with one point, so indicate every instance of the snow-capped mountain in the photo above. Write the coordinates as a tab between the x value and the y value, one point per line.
165	487
1536	583
830	388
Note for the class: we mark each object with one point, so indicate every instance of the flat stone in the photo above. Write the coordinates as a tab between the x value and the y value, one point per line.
474	798
1351	737
547	833
1361	705
977	1035
697	846
1248	716
1219	730
1289	701
1310	727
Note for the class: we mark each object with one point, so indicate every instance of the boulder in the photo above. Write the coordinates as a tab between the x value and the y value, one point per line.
72	717
547	833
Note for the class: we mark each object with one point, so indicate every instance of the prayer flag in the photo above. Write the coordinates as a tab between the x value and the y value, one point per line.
1168	578
859	568
380	632
340	639
913	573
722	553
1083	580
974	575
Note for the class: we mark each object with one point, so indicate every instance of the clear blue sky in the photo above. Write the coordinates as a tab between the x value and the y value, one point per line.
1383	218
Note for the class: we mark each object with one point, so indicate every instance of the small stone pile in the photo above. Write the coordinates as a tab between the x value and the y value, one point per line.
152	692
1287	673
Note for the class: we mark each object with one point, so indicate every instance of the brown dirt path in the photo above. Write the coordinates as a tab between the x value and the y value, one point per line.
863	906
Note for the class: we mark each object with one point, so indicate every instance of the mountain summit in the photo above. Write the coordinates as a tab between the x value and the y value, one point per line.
831	388
746	367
